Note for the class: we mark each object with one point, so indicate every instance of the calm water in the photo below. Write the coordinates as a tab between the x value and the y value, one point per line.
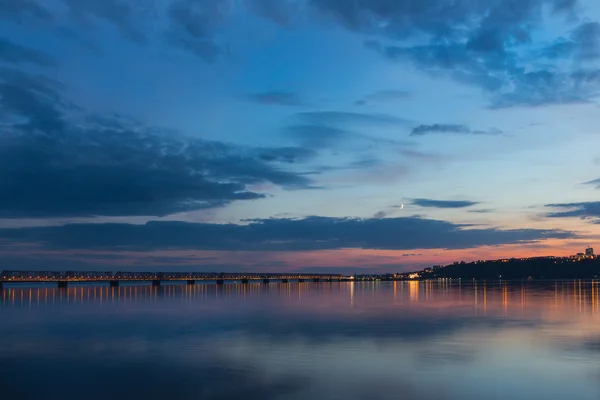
409	340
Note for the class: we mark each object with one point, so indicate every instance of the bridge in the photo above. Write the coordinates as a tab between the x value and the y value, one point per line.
63	278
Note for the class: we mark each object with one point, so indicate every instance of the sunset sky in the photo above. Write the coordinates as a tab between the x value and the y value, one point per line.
296	135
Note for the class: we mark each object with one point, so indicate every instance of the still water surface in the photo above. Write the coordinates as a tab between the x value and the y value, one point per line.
403	340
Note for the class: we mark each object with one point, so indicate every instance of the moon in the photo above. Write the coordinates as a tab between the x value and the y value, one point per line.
401	206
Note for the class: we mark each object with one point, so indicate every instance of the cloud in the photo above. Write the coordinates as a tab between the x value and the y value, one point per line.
15	53
55	160
582	210
328	129
288	155
443	203
384	96
587	38
30	102
348	119
488	44
583	43
316	136
122	14
595	182
381	214
282	12
422	156
545	87
192	26
276	98
508	82
311	233
422	130
16	9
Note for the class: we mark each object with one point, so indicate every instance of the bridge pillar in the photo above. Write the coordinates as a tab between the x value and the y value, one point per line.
284	281
156	282
300	280
114	283
1	287
220	282
266	280
62	284
329	280
244	281
191	282
316	280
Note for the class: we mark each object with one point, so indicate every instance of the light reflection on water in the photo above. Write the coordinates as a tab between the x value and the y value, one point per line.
396	340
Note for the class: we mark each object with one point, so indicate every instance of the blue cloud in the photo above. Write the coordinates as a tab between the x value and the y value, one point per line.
382	96
590	209
423	130
16	10
55	160
317	136
277	98
349	119
122	14
443	203
15	53
192	25
311	233
487	44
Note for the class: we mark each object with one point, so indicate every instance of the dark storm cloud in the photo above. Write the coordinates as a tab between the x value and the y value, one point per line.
582	210
443	203
422	130
57	161
15	53
192	25
312	233
122	14
277	98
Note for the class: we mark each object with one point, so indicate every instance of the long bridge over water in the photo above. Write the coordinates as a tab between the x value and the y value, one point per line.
63	278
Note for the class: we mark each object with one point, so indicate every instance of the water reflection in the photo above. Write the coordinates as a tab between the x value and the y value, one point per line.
573	296
371	340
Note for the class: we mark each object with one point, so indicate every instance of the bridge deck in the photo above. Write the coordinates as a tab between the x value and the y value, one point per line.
94	276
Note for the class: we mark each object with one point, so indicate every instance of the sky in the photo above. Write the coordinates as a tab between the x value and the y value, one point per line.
348	136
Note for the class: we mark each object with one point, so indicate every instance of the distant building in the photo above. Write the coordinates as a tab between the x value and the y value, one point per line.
589	252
